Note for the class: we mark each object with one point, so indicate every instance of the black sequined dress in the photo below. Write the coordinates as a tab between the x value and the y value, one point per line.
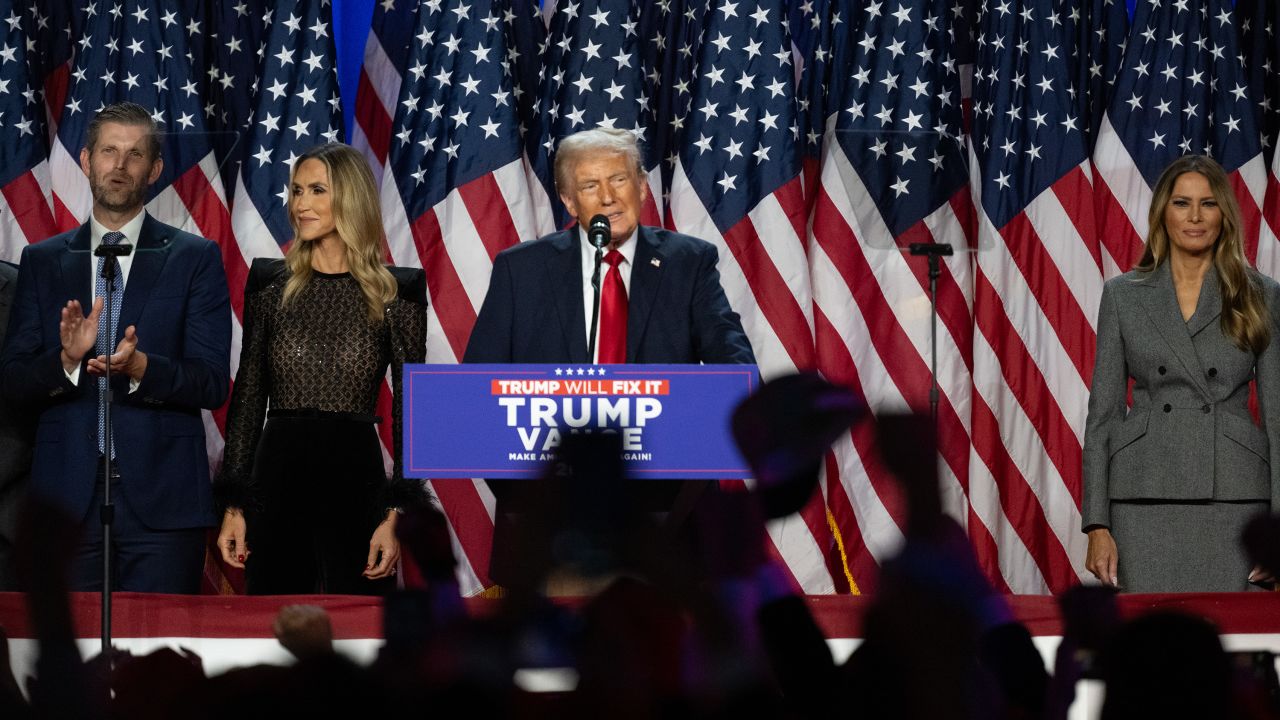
311	479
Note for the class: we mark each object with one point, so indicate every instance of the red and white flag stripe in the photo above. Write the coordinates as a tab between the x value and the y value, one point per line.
1036	293
375	105
765	275
872	319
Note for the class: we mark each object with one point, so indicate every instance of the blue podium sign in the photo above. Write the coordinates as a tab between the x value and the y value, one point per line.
506	421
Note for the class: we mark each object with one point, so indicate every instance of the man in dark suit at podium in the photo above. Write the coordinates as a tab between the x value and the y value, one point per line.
168	345
661	298
660	295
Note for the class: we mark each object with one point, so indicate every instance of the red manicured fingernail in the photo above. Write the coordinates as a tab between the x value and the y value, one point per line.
240	558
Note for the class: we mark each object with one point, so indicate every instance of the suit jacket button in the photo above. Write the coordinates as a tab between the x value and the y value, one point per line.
1206	409
1213	372
1168	407
1160	370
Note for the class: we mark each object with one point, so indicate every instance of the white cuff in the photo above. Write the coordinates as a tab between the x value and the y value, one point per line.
74	377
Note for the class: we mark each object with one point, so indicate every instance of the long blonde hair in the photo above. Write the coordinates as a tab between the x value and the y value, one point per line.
1245	318
357	216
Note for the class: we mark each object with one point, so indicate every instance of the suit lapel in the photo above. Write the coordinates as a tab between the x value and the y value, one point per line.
646	278
1209	306
565	273
77	270
148	260
1161	303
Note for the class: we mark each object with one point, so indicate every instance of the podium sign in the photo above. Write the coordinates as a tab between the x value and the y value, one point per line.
505	421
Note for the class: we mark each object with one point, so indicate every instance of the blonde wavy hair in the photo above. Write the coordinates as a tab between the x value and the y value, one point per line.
357	216
1245	318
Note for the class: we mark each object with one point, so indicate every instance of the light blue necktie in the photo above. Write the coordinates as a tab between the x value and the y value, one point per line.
107	328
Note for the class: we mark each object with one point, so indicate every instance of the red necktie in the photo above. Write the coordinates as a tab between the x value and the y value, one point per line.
613	313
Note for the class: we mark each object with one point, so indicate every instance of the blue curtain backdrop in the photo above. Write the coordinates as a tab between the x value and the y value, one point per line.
351	20
351	28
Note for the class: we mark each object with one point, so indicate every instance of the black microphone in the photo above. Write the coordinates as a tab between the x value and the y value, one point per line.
599	232
118	250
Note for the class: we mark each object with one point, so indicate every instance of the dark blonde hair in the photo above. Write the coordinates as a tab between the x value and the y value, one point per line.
357	216
1245	318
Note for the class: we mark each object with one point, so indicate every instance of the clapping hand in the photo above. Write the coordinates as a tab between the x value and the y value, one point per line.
78	332
126	360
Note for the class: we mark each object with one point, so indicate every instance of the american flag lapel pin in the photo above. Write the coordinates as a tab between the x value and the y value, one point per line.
655	262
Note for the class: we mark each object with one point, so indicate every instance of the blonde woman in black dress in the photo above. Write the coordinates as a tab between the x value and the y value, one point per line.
308	507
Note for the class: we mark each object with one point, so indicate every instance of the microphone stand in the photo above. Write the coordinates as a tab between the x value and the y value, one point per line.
933	251
595	305
106	512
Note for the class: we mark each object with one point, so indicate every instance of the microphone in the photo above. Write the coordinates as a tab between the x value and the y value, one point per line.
118	250
599	232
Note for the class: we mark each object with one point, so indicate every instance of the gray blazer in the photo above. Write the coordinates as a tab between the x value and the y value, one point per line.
1189	434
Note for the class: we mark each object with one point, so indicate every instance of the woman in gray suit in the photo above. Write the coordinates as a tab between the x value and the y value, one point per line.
1170	482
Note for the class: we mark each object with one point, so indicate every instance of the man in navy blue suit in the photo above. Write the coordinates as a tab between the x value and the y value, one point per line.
539	305
540	298
168	349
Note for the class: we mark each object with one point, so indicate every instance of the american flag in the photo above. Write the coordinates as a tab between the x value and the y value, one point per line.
526	34
1181	89
401	33
670	35
1260	52
525	28
1097	31
293	105
592	76
386	53
1038	280
105	68
737	183
814	25
454	194
892	173
24	170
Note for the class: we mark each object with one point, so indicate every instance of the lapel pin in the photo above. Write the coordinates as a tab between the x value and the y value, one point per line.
655	262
